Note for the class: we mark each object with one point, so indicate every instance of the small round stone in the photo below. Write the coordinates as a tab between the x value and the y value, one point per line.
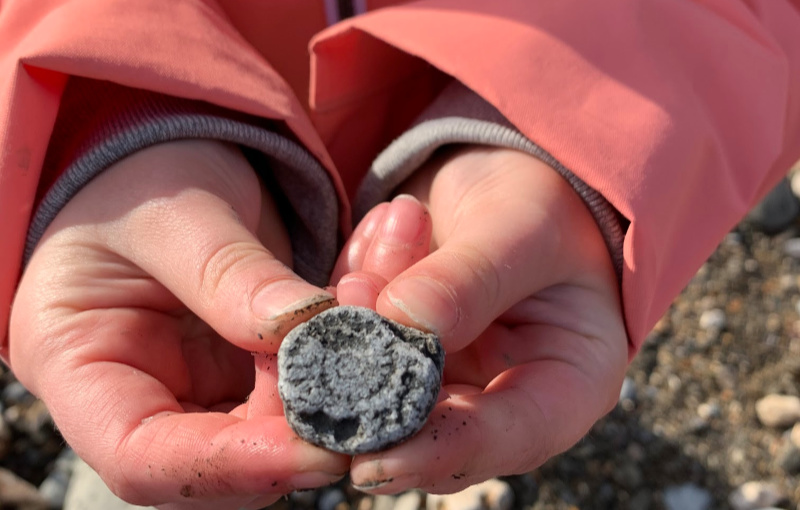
353	381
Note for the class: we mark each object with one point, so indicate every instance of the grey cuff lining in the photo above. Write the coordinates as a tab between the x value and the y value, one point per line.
303	180
406	154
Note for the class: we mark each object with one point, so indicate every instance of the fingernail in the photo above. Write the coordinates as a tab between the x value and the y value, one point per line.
286	299
395	484
312	480
358	290
402	223
427	302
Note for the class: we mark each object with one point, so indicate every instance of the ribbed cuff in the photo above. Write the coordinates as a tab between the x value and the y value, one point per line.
101	123
459	116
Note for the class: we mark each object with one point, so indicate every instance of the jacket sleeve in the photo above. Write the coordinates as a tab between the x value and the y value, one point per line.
185	49
459	116
682	114
100	123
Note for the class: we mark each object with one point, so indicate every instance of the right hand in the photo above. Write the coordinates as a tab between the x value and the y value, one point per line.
519	286
136	321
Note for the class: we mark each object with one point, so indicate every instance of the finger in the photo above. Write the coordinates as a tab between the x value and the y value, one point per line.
261	502
264	399
459	289
360	288
188	219
189	457
404	236
149	451
525	416
231	503
113	379
389	239
355	249
490	257
57	331
231	458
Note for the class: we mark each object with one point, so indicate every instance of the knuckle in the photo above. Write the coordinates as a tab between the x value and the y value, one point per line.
484	275
124	489
223	264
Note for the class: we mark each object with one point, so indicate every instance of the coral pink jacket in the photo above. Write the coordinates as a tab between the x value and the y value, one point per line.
682	113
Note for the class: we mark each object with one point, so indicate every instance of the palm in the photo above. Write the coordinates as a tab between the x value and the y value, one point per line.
164	340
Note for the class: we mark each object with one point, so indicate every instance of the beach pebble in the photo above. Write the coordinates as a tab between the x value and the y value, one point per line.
411	500
794	436
54	488
17	493
628	390
354	382
708	410
686	497
642	500
713	319
754	495
35	420
792	247
492	494
380	502
87	491
6	437
777	210
303	498
330	499
788	458
628	475
778	410
794	180
16	393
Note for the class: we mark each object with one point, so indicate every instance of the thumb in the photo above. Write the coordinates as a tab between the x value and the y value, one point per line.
186	214
499	243
457	290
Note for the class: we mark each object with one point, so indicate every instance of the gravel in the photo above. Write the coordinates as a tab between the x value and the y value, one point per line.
687	417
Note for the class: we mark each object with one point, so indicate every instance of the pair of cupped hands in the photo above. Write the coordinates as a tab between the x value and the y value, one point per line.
139	316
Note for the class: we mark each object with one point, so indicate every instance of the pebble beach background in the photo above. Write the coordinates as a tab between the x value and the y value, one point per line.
708	418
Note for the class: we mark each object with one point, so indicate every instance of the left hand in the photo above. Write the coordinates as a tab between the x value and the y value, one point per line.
519	286
135	322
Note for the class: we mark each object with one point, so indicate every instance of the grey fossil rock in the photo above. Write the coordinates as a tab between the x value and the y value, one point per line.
353	381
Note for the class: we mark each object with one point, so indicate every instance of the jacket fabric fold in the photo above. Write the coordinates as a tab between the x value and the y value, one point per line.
680	113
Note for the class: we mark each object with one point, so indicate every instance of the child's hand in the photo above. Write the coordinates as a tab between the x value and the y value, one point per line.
135	322
521	289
